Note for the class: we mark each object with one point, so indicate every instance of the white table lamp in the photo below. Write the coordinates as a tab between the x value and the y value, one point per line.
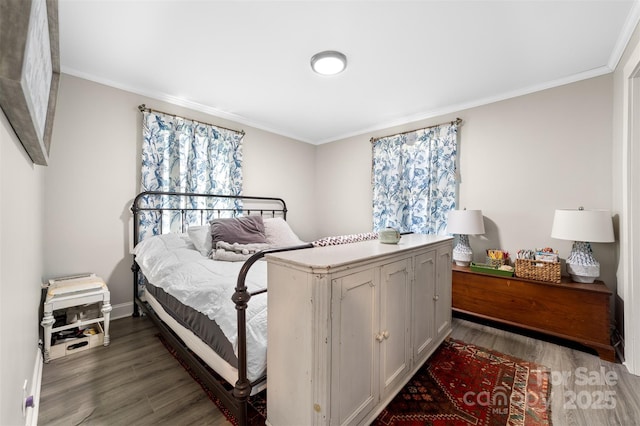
464	223
583	227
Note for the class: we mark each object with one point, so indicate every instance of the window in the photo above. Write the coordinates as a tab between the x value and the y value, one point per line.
414	179
182	155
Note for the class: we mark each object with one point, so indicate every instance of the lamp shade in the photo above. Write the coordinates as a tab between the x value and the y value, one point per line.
593	226
465	222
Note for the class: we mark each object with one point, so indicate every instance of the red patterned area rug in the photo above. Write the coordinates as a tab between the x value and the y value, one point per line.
460	385
463	384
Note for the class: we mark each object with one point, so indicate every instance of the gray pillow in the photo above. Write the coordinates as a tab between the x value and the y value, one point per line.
241	230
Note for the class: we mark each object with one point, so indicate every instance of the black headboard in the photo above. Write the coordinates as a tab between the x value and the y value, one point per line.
204	205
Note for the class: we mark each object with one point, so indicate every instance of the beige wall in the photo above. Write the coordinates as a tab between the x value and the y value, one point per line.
21	254
520	159
93	177
626	186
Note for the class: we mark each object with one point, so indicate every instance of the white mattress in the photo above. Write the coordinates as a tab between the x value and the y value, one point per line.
208	355
172	263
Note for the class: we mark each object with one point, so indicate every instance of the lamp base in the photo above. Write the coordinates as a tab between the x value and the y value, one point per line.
462	253
581	264
583	273
462	262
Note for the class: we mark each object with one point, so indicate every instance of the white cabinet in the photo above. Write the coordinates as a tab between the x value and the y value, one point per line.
431	300
354	324
424	293
348	326
442	296
394	328
370	340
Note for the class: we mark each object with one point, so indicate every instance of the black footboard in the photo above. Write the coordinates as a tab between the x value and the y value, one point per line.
182	205
242	389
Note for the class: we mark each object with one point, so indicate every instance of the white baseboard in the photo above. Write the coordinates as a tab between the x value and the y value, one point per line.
121	310
31	412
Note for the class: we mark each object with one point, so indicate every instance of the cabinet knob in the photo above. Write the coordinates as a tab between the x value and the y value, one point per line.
381	336
436	297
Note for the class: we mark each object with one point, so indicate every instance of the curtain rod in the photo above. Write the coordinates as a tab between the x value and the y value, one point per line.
143	108
457	121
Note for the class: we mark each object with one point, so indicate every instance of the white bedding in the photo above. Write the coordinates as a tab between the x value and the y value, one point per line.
171	262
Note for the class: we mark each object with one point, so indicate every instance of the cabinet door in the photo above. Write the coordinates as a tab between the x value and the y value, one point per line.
395	316
354	372
443	291
423	304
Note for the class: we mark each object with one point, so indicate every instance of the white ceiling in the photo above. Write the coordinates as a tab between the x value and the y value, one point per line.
248	61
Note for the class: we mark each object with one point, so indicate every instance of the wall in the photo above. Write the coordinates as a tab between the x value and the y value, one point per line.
94	175
519	160
21	255
626	184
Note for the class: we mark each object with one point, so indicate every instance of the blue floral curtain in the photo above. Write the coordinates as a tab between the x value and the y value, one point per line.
414	179
181	155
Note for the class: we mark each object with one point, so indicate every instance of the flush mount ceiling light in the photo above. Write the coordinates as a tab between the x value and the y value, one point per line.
328	62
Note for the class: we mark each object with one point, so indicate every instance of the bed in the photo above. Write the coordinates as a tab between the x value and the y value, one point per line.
198	274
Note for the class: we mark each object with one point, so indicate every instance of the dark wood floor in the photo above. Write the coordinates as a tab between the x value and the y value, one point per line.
135	381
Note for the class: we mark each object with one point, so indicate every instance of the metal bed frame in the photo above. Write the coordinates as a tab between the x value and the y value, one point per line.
235	398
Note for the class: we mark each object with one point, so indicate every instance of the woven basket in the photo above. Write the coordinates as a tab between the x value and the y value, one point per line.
538	270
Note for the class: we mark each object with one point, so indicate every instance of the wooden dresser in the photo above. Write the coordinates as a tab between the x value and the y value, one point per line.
573	311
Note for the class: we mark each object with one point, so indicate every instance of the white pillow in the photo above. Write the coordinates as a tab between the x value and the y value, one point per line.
201	238
279	234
